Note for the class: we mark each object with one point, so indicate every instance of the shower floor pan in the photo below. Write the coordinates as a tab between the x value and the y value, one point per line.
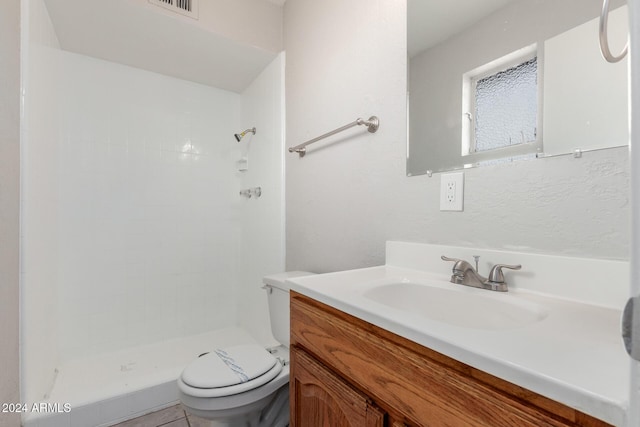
114	387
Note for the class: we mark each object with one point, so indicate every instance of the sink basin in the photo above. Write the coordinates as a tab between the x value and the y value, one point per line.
467	308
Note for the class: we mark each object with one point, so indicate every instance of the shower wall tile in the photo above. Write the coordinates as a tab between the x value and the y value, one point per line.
148	207
262	244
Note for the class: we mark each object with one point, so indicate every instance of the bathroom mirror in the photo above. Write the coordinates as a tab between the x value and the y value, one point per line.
504	80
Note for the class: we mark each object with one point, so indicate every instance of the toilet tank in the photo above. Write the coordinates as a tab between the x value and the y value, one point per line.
278	299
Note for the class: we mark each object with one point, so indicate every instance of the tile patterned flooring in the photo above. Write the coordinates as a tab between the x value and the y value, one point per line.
173	416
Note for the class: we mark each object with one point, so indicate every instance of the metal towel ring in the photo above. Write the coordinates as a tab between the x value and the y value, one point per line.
604	41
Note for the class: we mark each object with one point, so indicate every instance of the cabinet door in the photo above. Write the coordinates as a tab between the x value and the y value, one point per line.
321	399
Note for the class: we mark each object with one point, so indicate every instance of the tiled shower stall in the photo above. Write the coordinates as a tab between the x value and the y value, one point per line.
136	244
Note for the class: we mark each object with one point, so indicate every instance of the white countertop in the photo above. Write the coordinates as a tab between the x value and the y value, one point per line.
574	355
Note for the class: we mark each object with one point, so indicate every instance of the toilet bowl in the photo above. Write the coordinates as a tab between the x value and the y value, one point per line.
245	385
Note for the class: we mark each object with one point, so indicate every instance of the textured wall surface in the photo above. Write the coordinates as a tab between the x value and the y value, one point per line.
350	194
9	205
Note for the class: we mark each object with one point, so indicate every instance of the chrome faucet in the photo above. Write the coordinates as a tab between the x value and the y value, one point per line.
463	273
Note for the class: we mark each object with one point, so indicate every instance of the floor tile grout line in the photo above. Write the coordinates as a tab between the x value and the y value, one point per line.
143	419
177	419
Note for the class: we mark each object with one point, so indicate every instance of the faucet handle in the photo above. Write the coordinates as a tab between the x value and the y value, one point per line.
458	262
496	276
446	258
460	265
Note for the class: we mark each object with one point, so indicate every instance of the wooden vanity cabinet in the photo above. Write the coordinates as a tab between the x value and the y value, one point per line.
347	372
323	399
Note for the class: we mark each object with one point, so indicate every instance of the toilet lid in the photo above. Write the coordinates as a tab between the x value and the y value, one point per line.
230	366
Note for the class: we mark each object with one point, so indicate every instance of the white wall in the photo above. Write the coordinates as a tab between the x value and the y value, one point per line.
349	195
148	216
40	204
262	243
344	61
9	204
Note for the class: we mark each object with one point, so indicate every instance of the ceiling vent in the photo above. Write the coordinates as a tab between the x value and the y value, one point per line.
184	7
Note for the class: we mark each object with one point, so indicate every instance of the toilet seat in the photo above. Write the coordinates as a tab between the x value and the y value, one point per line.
229	371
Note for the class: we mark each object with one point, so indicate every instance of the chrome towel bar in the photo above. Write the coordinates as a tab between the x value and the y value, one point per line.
372	125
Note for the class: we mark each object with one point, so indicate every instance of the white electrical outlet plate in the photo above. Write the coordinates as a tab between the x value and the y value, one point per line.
452	191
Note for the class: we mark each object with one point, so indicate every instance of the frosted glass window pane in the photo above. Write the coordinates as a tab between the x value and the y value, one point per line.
506	107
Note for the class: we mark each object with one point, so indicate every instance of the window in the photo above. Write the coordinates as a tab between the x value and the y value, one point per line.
501	105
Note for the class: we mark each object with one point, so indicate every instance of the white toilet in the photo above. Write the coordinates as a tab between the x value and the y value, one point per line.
245	385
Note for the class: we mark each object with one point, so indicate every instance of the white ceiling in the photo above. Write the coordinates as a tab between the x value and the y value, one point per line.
431	22
147	37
